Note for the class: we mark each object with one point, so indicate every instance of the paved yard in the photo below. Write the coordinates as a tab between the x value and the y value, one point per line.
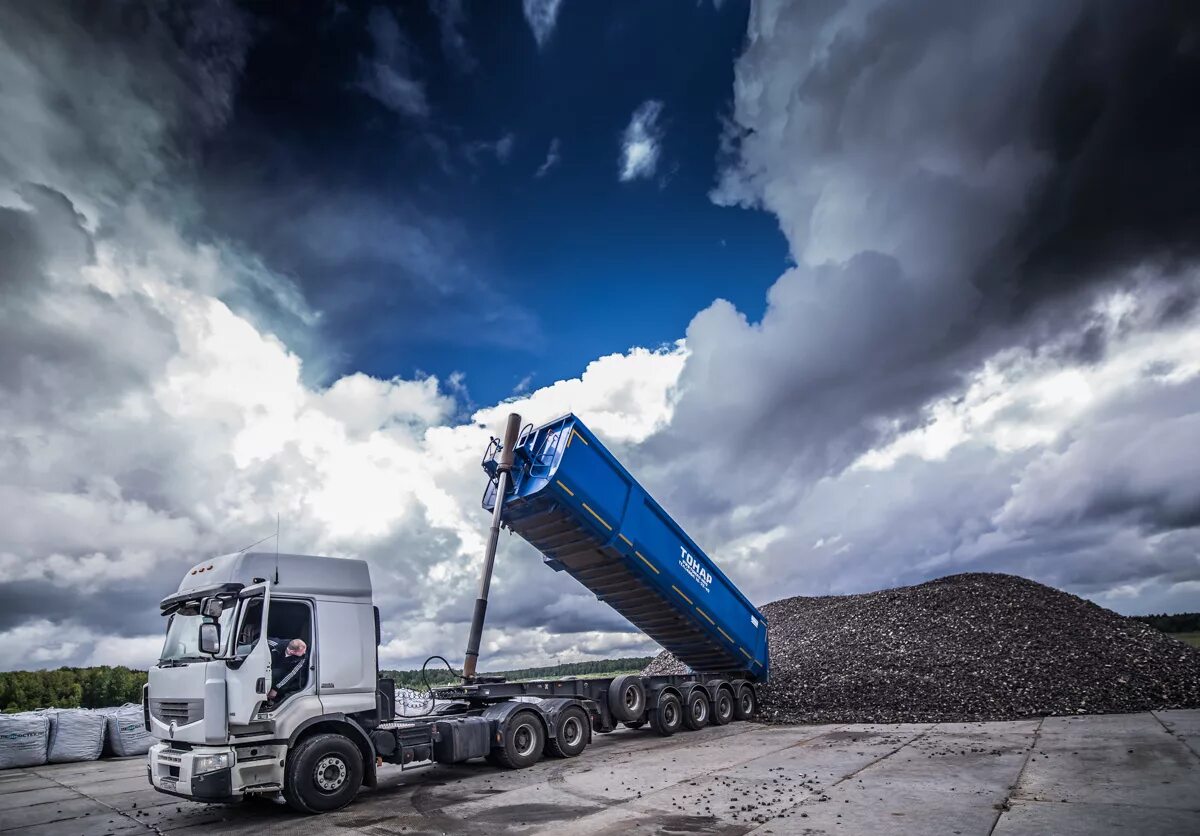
1136	773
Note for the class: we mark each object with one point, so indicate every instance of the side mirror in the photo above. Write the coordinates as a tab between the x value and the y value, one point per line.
210	638
213	607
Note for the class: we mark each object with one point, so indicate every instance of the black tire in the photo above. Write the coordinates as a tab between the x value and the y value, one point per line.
634	724
696	710
667	716
324	773
524	739
570	733
627	698
722	709
746	706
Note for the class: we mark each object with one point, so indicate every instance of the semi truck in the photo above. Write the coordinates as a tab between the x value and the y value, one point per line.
228	727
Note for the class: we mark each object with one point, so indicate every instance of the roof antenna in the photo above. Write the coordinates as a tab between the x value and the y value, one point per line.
276	547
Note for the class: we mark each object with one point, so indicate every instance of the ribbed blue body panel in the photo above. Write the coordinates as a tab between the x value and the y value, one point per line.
575	503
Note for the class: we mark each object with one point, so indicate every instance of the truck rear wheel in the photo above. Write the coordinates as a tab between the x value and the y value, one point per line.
524	740
746	706
627	697
722	707
324	773
570	733
667	716
695	715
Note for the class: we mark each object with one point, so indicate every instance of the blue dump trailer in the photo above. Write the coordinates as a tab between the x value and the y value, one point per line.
577	505
559	488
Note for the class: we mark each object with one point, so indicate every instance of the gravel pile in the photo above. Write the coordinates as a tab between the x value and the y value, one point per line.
963	648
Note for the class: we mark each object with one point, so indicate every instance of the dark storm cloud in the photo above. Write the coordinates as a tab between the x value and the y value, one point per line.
953	178
47	327
180	59
1112	115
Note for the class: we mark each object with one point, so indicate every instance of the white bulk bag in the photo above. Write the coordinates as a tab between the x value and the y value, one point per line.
127	733
77	735
23	739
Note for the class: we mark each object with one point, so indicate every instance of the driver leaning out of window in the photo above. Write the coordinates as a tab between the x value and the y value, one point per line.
289	668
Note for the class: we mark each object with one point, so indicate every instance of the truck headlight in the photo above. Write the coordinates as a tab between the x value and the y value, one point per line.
210	763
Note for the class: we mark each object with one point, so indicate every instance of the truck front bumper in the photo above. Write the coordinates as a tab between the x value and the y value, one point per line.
174	771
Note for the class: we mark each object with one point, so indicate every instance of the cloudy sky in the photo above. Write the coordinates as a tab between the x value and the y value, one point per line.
866	293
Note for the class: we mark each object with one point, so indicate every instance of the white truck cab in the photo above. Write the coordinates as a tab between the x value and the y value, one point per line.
223	725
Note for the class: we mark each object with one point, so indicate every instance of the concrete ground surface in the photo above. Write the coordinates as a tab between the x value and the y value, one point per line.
1128	774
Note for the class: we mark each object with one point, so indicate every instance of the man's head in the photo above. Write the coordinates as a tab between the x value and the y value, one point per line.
297	647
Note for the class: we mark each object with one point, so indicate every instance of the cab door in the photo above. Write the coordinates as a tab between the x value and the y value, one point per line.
248	683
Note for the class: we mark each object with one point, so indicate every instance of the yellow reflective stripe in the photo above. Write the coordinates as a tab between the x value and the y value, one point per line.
680	591
628	542
597	516
744	653
726	635
565	488
581	438
706	615
647	562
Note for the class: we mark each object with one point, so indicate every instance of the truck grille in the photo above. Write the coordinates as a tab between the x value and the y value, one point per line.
180	712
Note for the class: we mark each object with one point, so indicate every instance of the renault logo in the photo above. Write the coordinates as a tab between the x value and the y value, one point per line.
174	725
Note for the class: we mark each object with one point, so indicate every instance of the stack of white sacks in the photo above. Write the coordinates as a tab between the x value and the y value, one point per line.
64	735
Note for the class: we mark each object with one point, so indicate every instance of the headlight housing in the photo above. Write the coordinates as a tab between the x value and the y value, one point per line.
211	763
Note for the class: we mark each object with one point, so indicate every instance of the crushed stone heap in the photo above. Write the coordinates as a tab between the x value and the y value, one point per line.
963	648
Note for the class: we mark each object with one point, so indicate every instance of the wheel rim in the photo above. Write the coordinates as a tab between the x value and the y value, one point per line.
670	714
724	706
572	731
330	773
747	703
699	709
524	740
633	699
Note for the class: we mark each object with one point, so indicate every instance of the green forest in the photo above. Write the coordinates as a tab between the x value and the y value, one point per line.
104	686
70	688
1184	622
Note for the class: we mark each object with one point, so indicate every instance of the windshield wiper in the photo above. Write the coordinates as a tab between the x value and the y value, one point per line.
180	661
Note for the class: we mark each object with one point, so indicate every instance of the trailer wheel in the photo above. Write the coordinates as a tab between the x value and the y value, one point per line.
695	715
667	716
722	707
747	704
627	697
324	773
524	740
570	733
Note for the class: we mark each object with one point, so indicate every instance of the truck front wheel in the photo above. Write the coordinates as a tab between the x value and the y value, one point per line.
324	773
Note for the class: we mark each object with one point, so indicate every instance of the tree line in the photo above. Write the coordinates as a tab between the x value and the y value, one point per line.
98	687
101	687
1184	622
440	676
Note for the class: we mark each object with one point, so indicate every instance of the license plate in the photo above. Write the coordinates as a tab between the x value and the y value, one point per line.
168	784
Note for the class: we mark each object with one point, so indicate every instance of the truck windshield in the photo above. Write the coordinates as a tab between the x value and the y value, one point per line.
183	632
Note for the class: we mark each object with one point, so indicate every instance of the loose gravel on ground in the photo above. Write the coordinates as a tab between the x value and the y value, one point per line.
963	648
